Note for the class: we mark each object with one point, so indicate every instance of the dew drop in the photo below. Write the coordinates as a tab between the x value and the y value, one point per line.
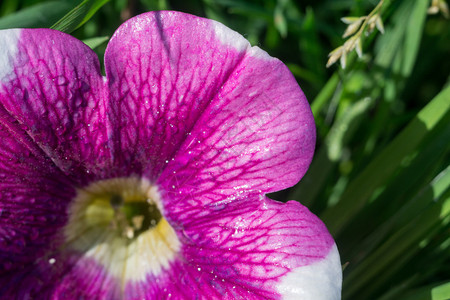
61	80
218	206
80	102
60	104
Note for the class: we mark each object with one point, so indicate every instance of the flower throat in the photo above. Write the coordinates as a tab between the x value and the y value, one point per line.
132	218
119	223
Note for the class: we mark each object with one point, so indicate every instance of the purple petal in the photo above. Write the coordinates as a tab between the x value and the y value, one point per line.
63	276
250	249
33	198
51	84
215	123
256	134
164	68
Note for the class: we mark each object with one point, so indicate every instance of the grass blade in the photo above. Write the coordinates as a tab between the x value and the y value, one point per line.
386	163
79	15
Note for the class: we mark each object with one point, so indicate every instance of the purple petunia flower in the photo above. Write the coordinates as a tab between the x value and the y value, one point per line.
150	182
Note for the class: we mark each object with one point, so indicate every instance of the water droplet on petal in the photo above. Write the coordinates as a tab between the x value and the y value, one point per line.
60	104
61	80
80	102
218	206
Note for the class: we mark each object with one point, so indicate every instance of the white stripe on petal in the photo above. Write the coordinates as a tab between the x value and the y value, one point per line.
8	47
319	281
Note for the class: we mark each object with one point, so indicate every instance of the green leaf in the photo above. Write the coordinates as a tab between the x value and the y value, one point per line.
79	15
435	291
37	16
325	94
395	206
386	163
397	49
245	8
96	41
413	36
404	243
279	19
8	7
441	292
311	49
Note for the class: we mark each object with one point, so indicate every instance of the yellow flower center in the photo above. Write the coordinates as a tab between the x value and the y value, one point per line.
119	222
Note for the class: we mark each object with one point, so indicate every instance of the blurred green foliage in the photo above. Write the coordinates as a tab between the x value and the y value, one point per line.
380	179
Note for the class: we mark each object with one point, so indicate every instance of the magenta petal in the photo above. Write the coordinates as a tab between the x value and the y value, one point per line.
211	122
63	276
257	134
33	199
51	84
164	68
249	249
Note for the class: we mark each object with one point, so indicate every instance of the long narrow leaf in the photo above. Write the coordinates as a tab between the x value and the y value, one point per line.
36	16
79	15
404	242
385	164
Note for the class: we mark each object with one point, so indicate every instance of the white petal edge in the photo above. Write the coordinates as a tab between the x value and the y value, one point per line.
321	280
257	52
8	46
230	37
